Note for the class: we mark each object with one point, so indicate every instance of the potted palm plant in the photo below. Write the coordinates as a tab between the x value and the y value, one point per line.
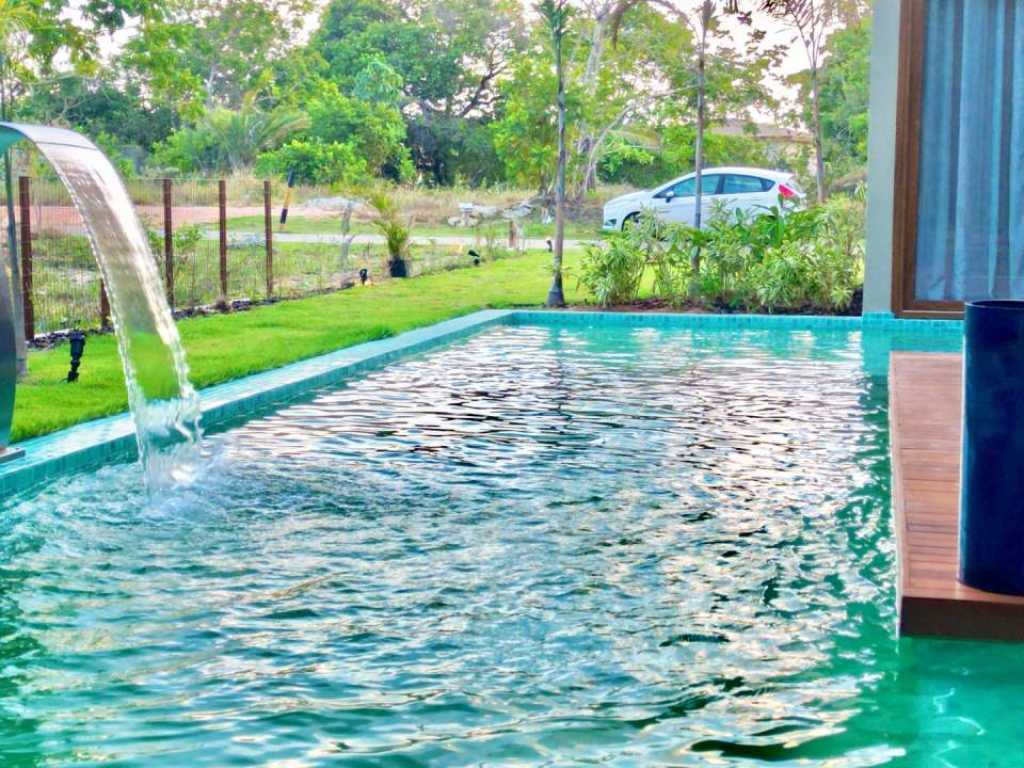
395	230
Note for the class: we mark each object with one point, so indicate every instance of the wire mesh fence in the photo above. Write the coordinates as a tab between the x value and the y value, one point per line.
209	240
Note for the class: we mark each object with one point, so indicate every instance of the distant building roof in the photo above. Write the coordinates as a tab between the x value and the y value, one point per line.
763	131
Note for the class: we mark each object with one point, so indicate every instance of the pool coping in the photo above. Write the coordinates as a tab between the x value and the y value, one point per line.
112	438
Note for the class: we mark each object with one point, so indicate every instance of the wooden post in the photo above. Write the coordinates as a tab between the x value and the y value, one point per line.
168	243
268	228
104	306
222	203
25	202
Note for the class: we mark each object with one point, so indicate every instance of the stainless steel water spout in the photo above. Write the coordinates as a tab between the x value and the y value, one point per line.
163	402
8	367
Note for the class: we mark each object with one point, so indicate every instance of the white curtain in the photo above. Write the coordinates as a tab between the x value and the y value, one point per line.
970	220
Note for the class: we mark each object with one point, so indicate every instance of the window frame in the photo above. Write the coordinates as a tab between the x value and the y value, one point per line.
906	179
661	194
762	180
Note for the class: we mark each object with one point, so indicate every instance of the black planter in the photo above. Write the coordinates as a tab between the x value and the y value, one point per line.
397	268
992	469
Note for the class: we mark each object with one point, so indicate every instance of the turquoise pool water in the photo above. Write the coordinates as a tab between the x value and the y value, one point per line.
536	546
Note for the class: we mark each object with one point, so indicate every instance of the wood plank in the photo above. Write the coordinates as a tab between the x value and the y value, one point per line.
924	420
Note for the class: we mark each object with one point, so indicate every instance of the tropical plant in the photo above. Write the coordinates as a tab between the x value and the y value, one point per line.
229	140
780	260
395	229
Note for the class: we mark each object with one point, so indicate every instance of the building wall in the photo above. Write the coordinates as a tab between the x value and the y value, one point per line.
881	156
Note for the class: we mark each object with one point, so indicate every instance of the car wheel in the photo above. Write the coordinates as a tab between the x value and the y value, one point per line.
630	221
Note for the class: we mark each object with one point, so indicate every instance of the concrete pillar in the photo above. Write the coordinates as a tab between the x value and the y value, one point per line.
885	44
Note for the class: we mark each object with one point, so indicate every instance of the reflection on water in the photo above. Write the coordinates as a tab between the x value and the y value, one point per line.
163	402
536	547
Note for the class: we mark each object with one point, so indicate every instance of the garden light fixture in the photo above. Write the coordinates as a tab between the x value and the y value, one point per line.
77	350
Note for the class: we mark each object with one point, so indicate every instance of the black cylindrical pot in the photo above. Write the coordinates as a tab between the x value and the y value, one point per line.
992	466
397	268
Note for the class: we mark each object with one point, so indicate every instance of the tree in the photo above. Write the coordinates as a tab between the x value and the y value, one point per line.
843	99
812	20
203	54
375	129
556	14
703	24
449	54
229	140
96	105
613	92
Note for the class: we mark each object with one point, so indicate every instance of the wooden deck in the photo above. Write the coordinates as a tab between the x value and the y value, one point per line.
924	415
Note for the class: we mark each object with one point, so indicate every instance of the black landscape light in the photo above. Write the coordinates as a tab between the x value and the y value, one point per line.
364	275
476	257
77	350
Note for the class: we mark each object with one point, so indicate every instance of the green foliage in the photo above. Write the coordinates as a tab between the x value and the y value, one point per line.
199	53
612	271
375	130
228	140
114	151
316	162
98	106
525	137
781	260
844	99
625	161
444	55
396	231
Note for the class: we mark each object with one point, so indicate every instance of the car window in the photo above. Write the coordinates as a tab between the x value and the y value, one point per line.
745	185
688	187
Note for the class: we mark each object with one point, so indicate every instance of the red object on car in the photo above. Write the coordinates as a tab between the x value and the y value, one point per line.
786	192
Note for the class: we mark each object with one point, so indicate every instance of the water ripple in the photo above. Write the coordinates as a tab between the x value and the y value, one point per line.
535	547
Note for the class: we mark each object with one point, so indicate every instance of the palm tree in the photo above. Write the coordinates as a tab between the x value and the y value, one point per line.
556	14
240	135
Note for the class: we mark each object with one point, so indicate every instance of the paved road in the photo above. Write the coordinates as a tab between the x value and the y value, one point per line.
451	240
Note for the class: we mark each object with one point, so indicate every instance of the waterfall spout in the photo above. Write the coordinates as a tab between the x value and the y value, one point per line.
163	402
8	365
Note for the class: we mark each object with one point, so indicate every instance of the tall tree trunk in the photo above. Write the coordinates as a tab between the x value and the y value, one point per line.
819	144
556	297
585	146
698	149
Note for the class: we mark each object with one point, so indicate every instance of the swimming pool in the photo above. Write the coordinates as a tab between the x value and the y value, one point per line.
543	544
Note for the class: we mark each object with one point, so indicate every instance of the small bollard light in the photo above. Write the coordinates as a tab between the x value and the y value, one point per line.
364	275
551	247
77	350
476	257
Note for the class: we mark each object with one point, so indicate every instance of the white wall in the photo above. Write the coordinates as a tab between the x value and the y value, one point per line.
881	156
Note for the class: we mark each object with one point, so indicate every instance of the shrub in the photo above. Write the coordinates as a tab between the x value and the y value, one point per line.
783	259
316	162
612	271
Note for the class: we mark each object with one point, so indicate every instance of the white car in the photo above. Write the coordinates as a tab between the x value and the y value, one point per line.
749	189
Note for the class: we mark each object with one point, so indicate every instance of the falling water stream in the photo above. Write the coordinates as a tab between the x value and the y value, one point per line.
163	402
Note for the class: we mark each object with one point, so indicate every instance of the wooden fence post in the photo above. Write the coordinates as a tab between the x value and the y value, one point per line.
268	231
104	306
168	243
25	203
222	204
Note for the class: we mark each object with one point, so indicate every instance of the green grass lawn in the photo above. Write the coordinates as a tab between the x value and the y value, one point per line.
224	347
332	225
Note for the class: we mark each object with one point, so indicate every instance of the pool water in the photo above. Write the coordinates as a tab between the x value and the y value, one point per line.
536	546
